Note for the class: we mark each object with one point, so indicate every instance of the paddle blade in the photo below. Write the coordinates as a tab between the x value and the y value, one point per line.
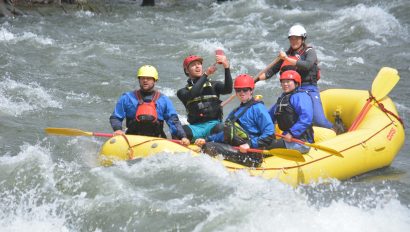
323	148
384	82
67	131
284	153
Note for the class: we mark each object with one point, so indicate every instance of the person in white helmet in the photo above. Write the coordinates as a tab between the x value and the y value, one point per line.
303	59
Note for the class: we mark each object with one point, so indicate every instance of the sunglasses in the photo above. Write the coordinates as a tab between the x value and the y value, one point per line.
242	90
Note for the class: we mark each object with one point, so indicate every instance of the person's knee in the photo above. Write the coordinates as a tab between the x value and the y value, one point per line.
217	128
277	143
213	149
188	132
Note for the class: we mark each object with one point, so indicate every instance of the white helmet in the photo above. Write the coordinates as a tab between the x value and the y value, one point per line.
297	30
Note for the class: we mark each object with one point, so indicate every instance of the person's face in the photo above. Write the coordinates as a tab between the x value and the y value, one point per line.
195	69
243	94
287	85
295	42
146	83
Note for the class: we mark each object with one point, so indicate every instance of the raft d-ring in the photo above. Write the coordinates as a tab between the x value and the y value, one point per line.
364	145
130	153
113	140
284	171
154	145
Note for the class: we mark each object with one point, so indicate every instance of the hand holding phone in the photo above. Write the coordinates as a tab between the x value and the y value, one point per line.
219	52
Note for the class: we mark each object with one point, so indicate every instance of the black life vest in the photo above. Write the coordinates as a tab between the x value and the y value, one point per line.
146	117
308	76
206	107
286	115
234	134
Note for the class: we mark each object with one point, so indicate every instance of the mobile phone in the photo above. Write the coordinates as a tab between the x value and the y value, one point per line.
219	52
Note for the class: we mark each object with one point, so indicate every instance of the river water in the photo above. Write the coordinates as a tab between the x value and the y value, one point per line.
68	69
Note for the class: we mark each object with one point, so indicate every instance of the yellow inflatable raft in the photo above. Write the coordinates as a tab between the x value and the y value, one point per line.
372	145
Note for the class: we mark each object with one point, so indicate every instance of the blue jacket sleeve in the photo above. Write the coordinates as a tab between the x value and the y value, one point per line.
263	124
125	107
218	137
170	115
272	113
302	104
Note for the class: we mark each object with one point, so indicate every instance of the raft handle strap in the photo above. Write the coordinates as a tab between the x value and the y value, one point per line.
130	150
382	108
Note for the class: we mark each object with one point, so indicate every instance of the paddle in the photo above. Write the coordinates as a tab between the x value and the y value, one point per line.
280	152
283	153
255	80
384	82
74	132
317	146
77	132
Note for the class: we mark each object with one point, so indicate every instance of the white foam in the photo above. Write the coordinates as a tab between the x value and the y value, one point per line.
38	39
354	60
374	19
84	14
260	204
39	222
6	35
208	46
251	5
323	58
167	91
20	208
82	97
17	98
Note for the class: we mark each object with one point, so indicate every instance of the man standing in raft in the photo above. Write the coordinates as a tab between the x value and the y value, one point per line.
201	96
302	58
146	109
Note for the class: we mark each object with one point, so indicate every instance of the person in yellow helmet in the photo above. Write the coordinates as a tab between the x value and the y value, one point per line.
146	109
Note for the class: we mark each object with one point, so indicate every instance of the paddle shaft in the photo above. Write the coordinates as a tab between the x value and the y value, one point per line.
293	139
74	132
252	150
97	134
320	147
362	113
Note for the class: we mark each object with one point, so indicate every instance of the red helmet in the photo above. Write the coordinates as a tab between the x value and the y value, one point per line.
190	59
244	81
291	75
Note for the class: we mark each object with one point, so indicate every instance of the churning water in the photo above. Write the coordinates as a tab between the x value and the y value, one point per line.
68	69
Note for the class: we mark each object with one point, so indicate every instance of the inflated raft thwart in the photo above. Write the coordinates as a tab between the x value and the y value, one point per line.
374	143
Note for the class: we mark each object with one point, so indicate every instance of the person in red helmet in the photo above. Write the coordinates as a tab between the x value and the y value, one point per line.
293	112
247	126
201	96
303	58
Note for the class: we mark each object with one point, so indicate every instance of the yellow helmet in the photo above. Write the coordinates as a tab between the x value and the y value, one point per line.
148	71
